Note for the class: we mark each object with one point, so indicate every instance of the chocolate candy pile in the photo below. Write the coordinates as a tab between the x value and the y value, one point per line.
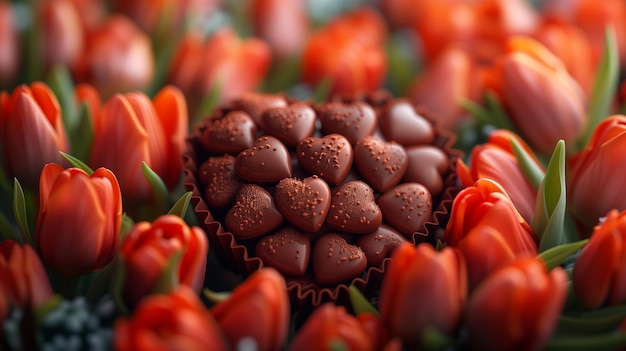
321	192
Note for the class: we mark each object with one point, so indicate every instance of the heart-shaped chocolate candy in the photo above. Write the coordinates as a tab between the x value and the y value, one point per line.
288	251
335	261
304	203
229	135
254	213
267	161
290	124
427	164
406	207
255	104
353	120
329	157
401	123
217	174
381	163
380	244
353	209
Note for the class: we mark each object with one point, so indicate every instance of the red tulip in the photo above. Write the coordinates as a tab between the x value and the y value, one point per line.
487	204
31	130
495	160
423	289
175	321
257	309
117	58
328	325
78	214
131	129
62	33
542	99
148	247
23	280
596	182
9	44
599	276
516	307
237	65
283	24
348	51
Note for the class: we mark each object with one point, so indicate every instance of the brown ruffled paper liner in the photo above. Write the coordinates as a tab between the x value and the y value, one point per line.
304	292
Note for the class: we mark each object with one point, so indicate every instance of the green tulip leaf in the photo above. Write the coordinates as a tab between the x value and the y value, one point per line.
210	101
48	306
322	90
434	339
599	321
214	296
554	256
61	83
19	210
609	341
117	284
533	173
163	54
125	227
550	208
7	232
337	344
490	113
159	190
101	282
82	138
180	207
359	303
168	278
77	163
604	86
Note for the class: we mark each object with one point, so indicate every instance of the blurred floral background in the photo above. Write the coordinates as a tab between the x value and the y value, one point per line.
100	248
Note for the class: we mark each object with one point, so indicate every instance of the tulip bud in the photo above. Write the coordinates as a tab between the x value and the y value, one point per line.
148	247
423	289
283	24
9	44
31	130
257	309
348	51
174	321
62	32
516	307
495	160
23	280
444	83
78	214
542	99
331	325
599	276
596	182
487	204
117	58
130	129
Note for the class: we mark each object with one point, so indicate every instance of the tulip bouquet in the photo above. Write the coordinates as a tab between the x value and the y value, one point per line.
98	250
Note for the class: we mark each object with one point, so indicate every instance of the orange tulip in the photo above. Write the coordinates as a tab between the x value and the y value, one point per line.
495	160
62	33
237	65
283	24
117	58
31	131
542	99
257	309
131	129
9	44
599	276
423	288
596	182
486	203
78	214
176	321
330	325
444	83
148	247
348	51
23	280
516	307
